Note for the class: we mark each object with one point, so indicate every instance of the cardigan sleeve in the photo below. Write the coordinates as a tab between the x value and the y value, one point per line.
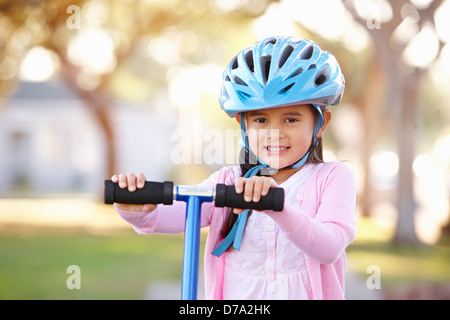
325	234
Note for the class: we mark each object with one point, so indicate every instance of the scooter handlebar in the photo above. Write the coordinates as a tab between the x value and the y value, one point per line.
163	192
226	196
152	192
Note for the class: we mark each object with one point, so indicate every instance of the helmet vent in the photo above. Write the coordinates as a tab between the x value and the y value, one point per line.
322	77
270	41
313	66
285	55
239	81
285	90
234	64
243	96
249	60
265	66
307	53
296	73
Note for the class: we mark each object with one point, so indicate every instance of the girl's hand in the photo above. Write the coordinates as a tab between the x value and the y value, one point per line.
132	182
254	188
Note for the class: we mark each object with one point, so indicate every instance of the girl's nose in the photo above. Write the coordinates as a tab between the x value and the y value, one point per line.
275	134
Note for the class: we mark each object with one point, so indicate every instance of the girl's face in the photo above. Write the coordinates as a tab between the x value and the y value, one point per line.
280	136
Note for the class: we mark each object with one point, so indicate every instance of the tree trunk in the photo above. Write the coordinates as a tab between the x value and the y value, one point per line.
102	110
369	105
407	130
403	84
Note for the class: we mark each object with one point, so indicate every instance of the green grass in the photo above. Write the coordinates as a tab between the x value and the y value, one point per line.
403	264
112	267
33	262
398	265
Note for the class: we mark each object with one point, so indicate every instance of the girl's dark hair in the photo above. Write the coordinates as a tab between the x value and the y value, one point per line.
248	160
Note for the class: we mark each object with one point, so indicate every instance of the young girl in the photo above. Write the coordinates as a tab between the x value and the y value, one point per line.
278	91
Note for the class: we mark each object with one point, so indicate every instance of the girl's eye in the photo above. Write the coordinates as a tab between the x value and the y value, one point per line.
260	120
291	120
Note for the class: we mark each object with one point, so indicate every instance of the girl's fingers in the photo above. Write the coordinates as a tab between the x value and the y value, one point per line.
132	182
131	179
140	181
248	189
268	183
122	181
239	184
257	189
244	185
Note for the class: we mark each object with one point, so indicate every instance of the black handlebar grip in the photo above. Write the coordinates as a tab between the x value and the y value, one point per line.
226	196
153	192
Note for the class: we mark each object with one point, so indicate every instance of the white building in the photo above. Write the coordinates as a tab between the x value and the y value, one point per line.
50	142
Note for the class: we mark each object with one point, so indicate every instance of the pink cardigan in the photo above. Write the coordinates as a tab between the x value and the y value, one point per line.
322	226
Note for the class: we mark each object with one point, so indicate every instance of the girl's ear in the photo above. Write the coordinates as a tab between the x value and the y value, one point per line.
326	120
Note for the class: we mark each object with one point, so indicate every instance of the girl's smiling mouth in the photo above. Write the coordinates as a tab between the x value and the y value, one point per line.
276	149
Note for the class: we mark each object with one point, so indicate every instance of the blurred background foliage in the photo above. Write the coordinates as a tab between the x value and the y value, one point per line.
135	66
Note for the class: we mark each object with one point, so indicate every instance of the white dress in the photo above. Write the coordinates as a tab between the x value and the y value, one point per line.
268	266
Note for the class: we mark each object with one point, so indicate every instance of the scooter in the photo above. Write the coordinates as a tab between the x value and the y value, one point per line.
165	192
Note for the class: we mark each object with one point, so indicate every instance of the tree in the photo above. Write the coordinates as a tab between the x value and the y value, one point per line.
387	25
53	24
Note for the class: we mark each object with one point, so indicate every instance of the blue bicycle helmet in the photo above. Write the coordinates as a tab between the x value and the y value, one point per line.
281	71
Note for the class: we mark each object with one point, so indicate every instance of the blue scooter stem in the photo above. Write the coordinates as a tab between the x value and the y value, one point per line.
191	249
189	282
